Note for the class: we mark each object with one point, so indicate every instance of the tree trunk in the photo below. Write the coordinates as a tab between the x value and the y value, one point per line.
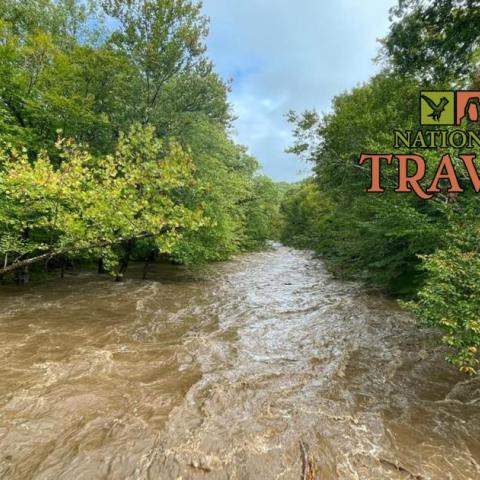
100	266
22	276
125	260
148	259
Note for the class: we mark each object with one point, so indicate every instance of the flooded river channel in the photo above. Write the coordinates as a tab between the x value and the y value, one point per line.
263	368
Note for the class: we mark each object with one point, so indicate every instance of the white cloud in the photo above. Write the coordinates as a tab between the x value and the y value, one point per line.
284	54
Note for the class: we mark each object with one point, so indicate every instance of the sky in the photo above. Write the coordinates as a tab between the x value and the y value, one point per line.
290	55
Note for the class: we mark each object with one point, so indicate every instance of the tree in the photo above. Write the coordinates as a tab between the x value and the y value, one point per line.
162	38
449	300
305	211
88	205
437	40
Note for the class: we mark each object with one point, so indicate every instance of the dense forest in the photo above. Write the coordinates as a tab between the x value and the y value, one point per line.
427	252
115	140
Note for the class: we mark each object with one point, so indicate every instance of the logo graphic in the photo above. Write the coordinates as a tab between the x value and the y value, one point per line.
437	108
460	108
447	107
468	106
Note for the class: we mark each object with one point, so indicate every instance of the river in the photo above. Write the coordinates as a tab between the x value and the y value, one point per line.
263	367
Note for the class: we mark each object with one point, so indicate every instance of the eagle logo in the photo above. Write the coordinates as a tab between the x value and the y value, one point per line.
437	108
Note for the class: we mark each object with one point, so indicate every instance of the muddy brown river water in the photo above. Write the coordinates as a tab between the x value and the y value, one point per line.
263	368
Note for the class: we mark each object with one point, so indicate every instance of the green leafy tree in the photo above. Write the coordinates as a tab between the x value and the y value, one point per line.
449	300
375	237
88	205
305	211
162	38
436	40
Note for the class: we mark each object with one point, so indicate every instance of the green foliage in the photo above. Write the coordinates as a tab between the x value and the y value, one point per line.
377	238
87	203
231	194
262	215
162	38
176	181
436	40
394	241
450	300
305	211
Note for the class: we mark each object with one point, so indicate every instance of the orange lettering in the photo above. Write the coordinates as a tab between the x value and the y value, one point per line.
375	186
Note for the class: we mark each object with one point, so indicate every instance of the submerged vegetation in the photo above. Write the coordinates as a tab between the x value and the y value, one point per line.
425	251
115	139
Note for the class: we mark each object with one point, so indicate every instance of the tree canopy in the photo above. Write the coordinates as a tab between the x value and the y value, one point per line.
115	127
437	40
